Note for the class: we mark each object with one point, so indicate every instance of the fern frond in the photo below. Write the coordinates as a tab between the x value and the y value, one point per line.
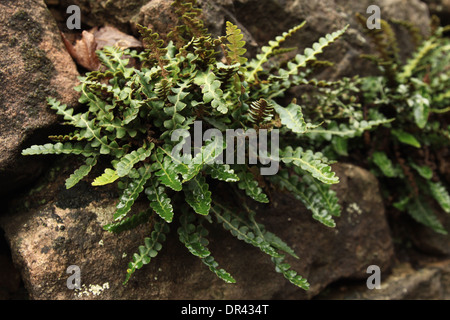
109	176
256	65
197	195
242	229
440	194
422	213
248	183
350	130
128	223
211	91
193	237
214	267
410	67
236	50
154	47
61	148
260	112
289	274
81	172
313	163
221	172
318	198
291	117
164	169
132	192
127	162
160	202
149	250
385	164
301	60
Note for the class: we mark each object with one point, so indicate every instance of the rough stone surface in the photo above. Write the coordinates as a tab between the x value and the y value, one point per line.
67	230
33	65
430	281
262	21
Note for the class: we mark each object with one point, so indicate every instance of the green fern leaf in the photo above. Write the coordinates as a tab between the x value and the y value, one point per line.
441	195
256	65
236	45
242	229
214	267
198	195
385	164
301	60
131	192
313	163
164	169
193	237
128	223
290	274
221	172
422	213
60	148
248	183
81	172
127	162
211	91
149	250
109	176
160	202
317	197
292	117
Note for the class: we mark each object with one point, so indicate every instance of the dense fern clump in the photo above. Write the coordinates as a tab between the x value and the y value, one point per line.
139	101
410	98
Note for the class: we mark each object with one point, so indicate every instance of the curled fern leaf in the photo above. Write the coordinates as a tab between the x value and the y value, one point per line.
260	112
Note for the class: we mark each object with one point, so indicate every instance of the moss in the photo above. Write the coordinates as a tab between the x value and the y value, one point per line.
22	22
37	63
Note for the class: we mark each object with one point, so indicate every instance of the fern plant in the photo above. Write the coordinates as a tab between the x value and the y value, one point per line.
139	101
409	98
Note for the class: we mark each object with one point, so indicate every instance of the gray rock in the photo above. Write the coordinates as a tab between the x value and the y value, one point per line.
430	281
34	64
54	228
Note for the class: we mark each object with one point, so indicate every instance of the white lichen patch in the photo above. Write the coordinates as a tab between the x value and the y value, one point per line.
94	289
354	208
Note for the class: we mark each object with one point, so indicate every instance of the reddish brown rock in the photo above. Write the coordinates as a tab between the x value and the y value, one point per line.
34	64
66	230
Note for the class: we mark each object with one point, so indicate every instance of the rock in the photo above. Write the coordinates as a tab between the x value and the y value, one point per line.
34	64
440	8
54	228
430	281
428	241
263	21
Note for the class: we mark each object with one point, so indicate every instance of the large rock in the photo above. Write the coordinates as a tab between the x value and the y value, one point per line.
430	281
34	64
53	228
